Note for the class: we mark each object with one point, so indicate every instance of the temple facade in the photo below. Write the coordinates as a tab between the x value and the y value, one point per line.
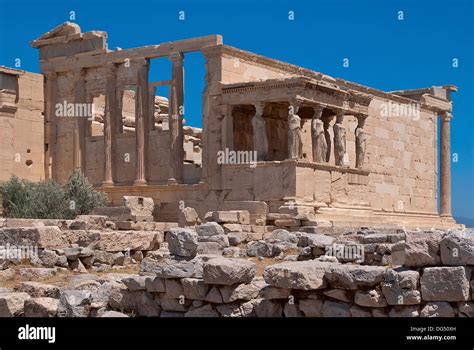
292	146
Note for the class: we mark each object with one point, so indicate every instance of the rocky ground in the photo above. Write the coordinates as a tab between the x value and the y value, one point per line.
102	266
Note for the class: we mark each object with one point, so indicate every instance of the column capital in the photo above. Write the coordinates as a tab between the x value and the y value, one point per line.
259	107
318	111
175	56
447	116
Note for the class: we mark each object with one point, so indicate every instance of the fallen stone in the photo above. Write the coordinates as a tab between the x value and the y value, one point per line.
311	307
113	314
204	311
38	289
422	249
404	311
445	284
182	242
268	308
73	303
349	276
457	248
260	248
188	217
305	275
209	229
399	287
357	311
372	298
12	304
41	307
48	237
194	288
437	309
228	271
135	283
336	309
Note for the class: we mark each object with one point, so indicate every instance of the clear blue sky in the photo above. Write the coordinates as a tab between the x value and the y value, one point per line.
384	53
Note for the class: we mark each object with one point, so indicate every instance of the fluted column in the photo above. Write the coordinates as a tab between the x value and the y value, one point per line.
176	118
445	165
80	120
141	120
228	128
50	92
110	120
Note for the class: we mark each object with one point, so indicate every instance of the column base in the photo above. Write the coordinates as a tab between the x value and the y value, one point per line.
172	181
139	183
108	184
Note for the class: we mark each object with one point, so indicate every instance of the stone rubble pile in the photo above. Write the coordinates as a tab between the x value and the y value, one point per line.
221	266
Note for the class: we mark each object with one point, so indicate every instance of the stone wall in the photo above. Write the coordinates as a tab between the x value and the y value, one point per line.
22	142
229	267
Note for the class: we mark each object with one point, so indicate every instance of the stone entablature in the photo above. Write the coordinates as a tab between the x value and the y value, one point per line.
339	141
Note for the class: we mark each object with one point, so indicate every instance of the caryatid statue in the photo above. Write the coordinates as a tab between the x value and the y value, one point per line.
260	140
339	139
295	139
318	137
360	141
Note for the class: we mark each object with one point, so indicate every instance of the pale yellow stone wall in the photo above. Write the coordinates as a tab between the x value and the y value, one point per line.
22	127
402	158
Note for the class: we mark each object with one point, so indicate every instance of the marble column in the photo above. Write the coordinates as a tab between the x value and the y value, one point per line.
318	139
50	92
339	139
176	118
80	120
141	122
110	121
445	165
360	141
295	140
259	126
228	128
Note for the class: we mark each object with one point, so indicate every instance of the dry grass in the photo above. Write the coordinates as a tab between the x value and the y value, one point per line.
62	278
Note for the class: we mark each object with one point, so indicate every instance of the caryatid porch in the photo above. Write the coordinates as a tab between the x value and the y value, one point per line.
296	123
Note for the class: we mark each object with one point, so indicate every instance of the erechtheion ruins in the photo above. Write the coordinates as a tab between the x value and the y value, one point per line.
328	151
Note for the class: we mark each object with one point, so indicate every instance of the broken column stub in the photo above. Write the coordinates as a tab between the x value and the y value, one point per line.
134	208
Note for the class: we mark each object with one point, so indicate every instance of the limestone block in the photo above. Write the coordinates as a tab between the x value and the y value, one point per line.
311	307
422	249
349	276
437	309
445	284
41	237
228	271
182	242
457	248
41	307
305	275
335	309
12	304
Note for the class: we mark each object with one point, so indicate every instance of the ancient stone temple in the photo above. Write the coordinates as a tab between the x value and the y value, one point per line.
328	151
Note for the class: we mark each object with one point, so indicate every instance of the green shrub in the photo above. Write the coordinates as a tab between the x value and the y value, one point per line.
81	196
16	198
48	200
